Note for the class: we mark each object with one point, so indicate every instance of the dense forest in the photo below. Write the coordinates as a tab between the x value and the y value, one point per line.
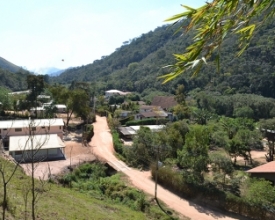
136	65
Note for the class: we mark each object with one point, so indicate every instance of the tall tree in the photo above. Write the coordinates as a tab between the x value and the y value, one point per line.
36	86
76	101
193	158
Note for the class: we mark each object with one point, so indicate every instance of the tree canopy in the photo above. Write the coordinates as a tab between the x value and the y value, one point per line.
213	22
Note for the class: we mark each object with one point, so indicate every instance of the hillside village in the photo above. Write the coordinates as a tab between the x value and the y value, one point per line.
128	119
125	138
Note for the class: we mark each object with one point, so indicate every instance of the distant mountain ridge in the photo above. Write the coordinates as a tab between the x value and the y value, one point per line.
51	71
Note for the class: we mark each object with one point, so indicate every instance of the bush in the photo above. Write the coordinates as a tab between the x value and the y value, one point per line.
89	132
117	142
207	194
149	121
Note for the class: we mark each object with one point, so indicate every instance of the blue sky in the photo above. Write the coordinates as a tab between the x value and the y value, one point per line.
40	33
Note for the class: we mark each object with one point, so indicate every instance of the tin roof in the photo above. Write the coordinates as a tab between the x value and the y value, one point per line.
45	141
35	123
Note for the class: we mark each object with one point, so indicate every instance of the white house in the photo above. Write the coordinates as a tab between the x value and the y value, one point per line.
113	92
36	148
61	108
21	137
38	126
131	131
38	110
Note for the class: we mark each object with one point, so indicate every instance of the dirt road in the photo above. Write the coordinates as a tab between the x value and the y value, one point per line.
102	145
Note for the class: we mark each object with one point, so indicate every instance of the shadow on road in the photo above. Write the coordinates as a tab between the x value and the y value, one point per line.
216	213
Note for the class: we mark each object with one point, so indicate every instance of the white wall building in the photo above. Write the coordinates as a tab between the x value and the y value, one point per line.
38	126
24	137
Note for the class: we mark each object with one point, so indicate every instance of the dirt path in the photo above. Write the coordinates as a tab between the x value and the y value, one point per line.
102	145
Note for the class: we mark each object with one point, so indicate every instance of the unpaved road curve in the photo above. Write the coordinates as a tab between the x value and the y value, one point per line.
102	145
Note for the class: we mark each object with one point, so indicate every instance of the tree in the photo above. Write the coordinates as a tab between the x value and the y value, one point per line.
36	86
222	166
142	152
76	101
193	158
174	136
31	154
6	176
267	127
213	22
259	192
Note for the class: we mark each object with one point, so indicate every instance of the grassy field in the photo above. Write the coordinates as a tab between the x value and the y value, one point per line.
65	203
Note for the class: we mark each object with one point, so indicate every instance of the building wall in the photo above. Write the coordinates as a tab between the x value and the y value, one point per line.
267	176
37	130
40	155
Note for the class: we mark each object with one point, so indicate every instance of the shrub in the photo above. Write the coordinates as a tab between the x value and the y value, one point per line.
149	121
117	142
89	132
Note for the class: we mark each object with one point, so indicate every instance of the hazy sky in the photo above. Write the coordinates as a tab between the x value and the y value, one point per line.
41	33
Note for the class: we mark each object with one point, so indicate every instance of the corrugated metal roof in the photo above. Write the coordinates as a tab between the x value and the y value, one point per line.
132	130
151	127
266	168
35	123
127	130
60	106
20	143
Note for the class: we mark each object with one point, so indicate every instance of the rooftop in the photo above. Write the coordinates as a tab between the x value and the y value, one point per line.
35	123
266	168
50	141
133	129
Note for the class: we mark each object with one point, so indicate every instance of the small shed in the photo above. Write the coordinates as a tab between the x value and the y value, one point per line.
266	171
43	148
60	108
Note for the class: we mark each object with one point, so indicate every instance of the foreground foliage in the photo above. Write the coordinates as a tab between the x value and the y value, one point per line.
214	21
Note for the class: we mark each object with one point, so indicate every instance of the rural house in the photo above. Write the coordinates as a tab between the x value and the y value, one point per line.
266	171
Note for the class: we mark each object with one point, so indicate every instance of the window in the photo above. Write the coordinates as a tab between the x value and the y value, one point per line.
43	127
33	128
18	129
4	129
60	128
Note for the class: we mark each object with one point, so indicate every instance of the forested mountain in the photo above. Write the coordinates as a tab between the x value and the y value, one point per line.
136	65
6	65
12	77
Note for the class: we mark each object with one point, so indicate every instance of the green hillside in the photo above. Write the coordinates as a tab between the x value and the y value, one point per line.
136	65
84	200
6	65
12	77
13	81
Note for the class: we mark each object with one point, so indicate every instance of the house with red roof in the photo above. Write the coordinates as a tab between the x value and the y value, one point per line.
266	171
